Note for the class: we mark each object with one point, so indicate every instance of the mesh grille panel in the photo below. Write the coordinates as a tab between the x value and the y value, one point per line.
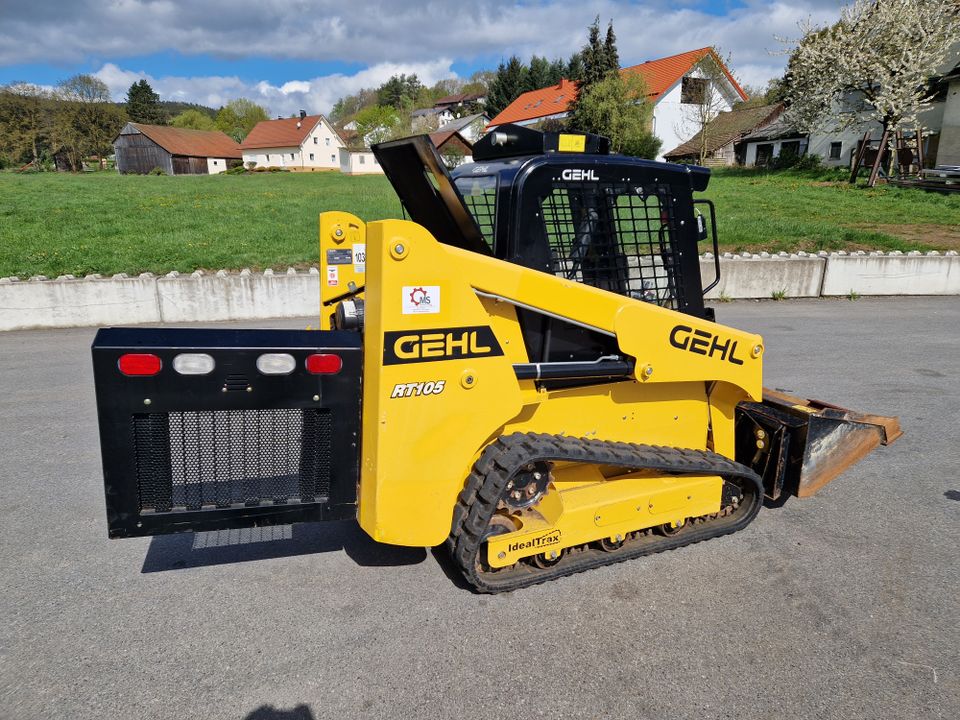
615	236
480	194
222	458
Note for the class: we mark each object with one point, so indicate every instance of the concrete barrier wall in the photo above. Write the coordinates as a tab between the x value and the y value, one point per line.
174	298
246	296
763	275
69	302
894	274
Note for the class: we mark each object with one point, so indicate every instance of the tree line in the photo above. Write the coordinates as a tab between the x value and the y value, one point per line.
607	103
77	119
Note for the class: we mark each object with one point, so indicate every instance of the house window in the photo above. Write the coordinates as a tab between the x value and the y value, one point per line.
216	162
315	140
268	157
333	158
363	160
790	149
693	90
291	156
328	141
764	154
311	156
836	148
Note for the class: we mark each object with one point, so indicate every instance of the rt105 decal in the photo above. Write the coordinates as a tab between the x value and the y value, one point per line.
415	389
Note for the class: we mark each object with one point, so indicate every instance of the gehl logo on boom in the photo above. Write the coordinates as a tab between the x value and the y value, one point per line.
455	343
700	342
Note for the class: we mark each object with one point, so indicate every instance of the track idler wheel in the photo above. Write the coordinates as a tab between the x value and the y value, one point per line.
499	525
611	544
669	529
547	559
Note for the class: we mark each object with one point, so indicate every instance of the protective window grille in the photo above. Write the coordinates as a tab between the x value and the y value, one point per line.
614	236
480	194
190	460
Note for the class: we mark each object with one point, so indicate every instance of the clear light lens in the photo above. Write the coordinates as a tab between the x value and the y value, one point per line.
193	363
276	363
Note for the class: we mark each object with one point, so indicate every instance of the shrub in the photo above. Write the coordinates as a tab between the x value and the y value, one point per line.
792	161
157	171
809	163
237	170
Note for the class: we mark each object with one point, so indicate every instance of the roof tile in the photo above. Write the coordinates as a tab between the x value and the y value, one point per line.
280	133
728	127
192	143
658	75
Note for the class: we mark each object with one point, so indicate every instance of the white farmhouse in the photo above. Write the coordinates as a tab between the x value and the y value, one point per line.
304	143
359	161
675	86
838	148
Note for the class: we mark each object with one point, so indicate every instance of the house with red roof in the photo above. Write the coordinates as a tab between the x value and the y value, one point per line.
304	143
454	148
675	85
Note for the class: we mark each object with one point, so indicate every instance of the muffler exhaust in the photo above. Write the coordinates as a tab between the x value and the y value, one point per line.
797	446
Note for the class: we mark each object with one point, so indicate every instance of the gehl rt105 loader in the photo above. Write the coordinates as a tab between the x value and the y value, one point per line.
525	370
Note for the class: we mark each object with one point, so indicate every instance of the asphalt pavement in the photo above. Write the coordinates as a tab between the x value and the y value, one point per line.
844	605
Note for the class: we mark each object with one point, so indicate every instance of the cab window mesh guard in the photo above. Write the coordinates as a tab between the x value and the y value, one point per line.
614	236
480	195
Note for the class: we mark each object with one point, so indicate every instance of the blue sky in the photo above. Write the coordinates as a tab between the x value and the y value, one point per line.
289	54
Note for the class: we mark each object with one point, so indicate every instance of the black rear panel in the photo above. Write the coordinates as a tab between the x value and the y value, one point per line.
232	448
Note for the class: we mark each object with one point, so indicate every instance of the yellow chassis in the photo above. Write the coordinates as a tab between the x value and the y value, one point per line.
441	339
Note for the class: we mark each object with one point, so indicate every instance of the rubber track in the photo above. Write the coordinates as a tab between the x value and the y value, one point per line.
503	458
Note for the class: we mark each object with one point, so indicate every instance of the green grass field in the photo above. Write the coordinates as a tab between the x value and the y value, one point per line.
53	224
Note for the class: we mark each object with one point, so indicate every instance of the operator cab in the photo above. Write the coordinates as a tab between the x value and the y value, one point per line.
562	204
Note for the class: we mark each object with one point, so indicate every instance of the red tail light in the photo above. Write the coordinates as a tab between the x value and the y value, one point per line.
322	364
139	364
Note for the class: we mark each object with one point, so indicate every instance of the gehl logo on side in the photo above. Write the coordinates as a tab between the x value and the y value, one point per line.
701	342
401	347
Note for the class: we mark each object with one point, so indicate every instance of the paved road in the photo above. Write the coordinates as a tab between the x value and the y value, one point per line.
844	605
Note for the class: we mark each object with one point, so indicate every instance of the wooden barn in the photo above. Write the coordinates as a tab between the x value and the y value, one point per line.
177	151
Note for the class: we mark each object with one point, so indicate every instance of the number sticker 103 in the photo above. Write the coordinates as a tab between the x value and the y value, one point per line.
415	389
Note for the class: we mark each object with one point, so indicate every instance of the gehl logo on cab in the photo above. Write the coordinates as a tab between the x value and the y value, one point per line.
455	343
579	174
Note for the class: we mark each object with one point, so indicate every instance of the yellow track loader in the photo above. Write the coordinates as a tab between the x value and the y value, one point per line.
524	370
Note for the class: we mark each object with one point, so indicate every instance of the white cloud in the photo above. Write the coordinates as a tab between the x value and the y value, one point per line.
422	36
315	95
